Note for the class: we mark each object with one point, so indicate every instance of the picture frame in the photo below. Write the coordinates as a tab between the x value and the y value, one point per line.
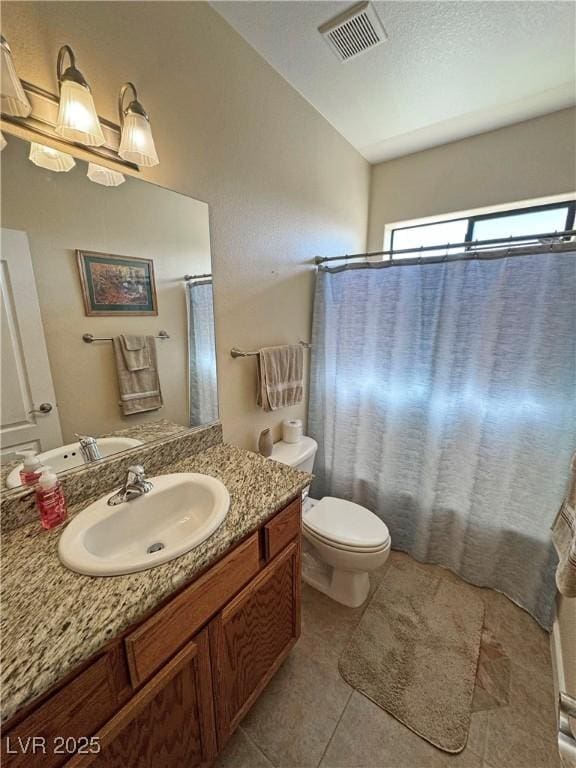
116	285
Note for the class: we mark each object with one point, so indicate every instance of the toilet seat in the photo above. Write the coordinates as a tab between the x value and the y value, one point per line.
314	538
346	526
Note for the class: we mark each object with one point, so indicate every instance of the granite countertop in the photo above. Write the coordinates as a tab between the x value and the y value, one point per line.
53	618
147	431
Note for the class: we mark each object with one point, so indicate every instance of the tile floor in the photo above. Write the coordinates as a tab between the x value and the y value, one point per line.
308	716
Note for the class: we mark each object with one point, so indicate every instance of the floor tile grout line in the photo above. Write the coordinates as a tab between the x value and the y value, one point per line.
344	708
257	746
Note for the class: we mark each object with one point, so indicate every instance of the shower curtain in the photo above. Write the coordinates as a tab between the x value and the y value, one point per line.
443	398
203	396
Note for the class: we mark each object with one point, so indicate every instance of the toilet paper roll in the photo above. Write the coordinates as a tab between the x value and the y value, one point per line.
292	430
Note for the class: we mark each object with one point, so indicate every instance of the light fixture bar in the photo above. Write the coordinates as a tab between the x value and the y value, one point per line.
42	122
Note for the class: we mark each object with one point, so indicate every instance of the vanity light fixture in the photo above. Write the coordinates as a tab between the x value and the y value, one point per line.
77	119
100	175
12	96
136	143
71	117
51	159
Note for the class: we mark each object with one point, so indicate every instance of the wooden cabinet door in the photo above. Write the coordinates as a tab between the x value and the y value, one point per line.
67	719
168	723
251	637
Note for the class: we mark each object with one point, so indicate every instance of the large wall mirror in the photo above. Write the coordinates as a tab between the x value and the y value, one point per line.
89	274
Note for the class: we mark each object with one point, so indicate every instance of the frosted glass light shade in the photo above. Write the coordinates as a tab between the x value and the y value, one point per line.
13	99
108	178
3	142
77	118
137	144
51	159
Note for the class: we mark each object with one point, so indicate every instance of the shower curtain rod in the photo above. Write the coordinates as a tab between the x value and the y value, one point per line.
470	245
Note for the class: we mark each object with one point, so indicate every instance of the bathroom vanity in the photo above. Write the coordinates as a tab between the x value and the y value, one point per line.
170	687
155	667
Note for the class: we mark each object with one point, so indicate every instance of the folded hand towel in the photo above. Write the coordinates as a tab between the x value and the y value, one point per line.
139	388
135	352
564	538
280	376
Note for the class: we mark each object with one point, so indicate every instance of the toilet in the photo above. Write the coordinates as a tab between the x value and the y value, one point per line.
344	540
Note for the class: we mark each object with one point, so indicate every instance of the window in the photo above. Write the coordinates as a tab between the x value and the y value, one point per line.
541	219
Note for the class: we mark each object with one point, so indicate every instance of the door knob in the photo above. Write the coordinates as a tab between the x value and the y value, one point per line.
42	408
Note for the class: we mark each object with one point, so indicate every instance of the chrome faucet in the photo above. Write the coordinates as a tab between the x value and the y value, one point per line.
89	448
135	485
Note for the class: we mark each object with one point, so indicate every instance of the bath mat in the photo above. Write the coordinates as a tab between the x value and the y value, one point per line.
415	654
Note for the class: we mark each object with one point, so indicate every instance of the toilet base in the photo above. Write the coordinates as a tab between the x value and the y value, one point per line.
346	587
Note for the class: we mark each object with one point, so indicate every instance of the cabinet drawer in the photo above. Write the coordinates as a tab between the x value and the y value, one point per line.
158	638
74	712
282	529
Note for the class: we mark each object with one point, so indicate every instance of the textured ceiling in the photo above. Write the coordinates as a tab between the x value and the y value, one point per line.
449	69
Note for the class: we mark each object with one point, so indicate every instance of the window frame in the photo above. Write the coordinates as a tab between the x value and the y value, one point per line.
570	204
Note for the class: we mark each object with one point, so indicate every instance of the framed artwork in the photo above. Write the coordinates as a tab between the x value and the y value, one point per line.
117	285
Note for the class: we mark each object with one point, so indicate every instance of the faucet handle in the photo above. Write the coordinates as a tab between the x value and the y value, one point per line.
137	477
86	439
89	448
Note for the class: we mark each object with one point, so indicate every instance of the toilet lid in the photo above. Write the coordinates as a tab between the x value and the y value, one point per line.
344	522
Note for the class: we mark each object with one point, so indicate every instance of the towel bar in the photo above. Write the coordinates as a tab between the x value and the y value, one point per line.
198	277
235	352
88	338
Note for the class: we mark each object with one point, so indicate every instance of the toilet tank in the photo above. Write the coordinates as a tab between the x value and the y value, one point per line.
299	455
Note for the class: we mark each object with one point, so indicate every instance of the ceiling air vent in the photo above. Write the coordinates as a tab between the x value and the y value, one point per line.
356	30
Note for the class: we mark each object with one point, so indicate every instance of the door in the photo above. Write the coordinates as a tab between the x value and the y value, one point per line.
169	723
252	636
25	370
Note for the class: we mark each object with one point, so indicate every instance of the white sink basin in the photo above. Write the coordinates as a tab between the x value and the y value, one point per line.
69	456
181	511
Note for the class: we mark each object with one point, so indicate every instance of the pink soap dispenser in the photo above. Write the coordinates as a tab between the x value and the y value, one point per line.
50	500
31	468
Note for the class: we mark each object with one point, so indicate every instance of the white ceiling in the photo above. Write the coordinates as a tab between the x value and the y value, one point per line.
448	70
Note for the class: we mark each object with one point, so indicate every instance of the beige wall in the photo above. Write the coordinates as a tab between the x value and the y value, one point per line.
281	183
528	160
65	211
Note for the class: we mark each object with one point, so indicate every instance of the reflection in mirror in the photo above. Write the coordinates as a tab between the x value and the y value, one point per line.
203	395
79	259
